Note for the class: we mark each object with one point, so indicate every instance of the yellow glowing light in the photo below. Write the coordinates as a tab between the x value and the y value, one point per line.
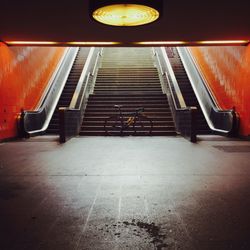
43	43
224	42
125	14
161	43
143	43
194	43
93	43
31	43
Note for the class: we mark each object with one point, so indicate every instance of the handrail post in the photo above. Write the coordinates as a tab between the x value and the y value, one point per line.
62	132
193	130
21	125
236	123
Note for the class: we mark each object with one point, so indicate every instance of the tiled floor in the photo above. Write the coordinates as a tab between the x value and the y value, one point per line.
124	193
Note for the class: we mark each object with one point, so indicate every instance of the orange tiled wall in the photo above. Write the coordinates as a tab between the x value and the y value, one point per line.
227	70
24	74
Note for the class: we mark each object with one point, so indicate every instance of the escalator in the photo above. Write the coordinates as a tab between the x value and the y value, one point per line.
69	89
187	90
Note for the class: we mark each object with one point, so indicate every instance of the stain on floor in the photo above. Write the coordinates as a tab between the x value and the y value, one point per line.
150	233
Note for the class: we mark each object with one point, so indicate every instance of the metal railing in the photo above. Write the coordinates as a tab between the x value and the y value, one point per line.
36	122
184	117
70	119
223	122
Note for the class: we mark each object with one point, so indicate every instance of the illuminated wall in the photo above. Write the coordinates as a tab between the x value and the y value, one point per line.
227	70
24	74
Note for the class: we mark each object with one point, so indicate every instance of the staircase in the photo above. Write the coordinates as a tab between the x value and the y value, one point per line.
187	90
127	77
69	89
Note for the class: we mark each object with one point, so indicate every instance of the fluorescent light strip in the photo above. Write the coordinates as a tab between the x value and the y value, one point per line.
161	43
224	42
30	43
236	42
150	43
60	43
93	43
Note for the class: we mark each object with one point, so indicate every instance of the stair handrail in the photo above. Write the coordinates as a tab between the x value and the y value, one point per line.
169	74
32	123
184	117
70	119
220	121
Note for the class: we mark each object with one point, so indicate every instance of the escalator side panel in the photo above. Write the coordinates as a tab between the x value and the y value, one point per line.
187	90
69	89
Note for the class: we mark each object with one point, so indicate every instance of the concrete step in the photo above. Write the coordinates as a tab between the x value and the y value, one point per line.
125	109
144	96
129	133
128	92
95	105
137	128
110	113
103	117
101	123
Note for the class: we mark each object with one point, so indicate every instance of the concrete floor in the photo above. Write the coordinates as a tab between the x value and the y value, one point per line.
125	193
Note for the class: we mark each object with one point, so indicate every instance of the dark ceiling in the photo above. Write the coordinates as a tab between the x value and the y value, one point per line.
63	21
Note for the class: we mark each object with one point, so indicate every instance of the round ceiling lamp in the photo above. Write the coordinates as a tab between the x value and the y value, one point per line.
125	13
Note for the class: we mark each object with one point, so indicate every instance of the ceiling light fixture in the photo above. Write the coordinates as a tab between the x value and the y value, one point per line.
94	43
125	12
193	43
230	42
31	43
49	43
162	43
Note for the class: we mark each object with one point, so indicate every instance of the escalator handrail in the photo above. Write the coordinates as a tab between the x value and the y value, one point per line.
71	118
36	122
184	117
171	80
205	97
83	83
